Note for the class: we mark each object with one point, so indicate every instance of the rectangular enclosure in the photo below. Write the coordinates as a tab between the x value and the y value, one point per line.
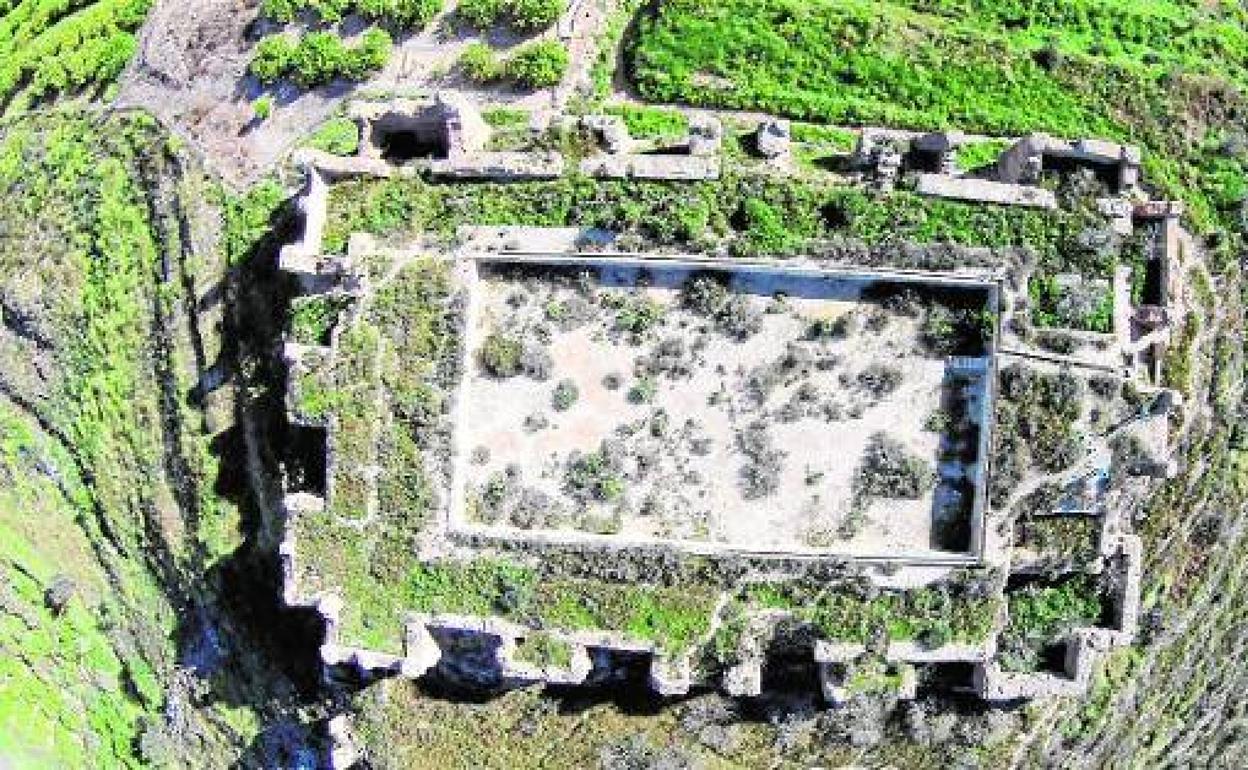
746	406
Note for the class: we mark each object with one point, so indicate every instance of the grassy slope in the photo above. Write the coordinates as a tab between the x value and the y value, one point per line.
1167	76
64	47
108	474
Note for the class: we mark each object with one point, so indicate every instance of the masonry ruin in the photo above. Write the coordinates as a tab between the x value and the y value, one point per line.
629	434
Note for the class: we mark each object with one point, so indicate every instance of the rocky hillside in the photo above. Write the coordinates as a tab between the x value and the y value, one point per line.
130	570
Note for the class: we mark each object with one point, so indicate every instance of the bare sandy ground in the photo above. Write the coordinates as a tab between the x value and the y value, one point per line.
677	491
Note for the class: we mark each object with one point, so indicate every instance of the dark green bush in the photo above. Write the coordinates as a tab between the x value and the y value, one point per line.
401	14
480	64
539	65
500	355
320	57
521	15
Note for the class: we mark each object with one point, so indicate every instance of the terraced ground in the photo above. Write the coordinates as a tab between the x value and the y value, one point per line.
64	47
119	528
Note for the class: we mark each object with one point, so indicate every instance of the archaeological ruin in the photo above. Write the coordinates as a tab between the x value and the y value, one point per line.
588	451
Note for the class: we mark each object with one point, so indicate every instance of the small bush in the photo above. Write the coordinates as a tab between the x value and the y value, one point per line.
539	65
406	14
338	136
643	391
565	395
760	475
320	57
705	295
262	108
521	15
766	233
272	59
739	319
1040	616
638	316
500	355
313	318
479	64
888	469
880	380
595	476
534	15
480	13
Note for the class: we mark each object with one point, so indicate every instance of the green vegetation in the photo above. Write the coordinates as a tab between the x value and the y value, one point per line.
608	42
1063	539
565	395
480	64
932	616
1145	73
64	47
651	122
250	220
643	390
313	318
61	701
545	651
783	217
637	315
1038	426
673	619
832	137
262	108
1040	616
109	525
504	118
541	64
520	15
401	14
977	155
500	355
594	477
382	385
1086	306
874	676
337	136
1178	361
320	57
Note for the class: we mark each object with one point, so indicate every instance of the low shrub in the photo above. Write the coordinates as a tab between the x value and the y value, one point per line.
651	122
262	108
500	355
479	63
520	15
403	14
1040	615
565	395
760	475
539	65
320	57
338	136
595	476
888	469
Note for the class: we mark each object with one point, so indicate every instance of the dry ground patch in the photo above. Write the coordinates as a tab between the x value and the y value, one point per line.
760	410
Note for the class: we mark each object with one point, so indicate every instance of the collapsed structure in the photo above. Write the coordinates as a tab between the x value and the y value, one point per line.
447	139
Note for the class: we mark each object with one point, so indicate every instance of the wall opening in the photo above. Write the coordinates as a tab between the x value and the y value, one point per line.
403	138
